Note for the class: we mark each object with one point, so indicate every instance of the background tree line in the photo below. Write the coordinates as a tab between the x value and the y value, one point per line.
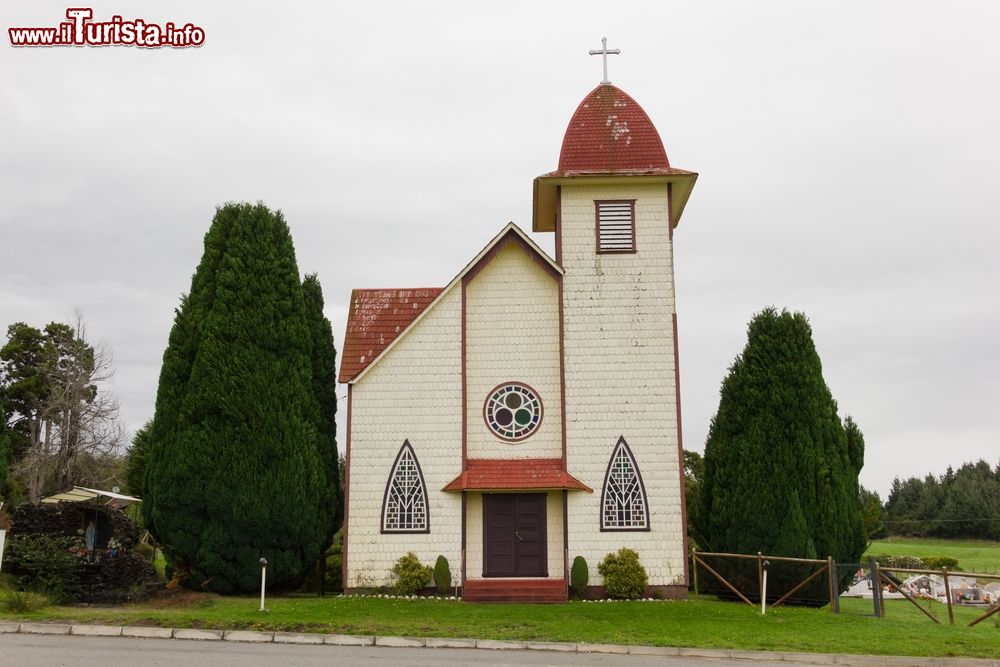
958	504
59	424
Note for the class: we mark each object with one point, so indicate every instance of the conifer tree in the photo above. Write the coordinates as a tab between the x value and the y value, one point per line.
135	461
234	471
5	450
780	476
324	387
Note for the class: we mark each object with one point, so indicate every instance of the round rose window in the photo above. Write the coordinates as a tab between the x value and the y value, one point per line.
513	411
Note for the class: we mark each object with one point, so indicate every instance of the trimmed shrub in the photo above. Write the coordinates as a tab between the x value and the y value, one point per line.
411	574
442	575
579	574
905	562
940	562
624	576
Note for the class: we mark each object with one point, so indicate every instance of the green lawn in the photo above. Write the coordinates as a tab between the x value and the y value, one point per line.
972	555
693	623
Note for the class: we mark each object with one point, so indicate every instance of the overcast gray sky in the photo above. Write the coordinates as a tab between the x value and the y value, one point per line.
849	155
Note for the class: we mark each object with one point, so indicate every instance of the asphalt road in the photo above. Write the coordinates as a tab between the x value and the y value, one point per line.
17	650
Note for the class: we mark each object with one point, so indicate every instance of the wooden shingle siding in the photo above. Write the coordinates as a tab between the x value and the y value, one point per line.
512	335
413	394
620	381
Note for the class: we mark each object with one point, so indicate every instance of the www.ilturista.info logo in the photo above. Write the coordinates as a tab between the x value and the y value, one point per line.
80	30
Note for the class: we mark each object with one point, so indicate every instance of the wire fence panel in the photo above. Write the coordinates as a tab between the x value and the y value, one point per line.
856	596
798	581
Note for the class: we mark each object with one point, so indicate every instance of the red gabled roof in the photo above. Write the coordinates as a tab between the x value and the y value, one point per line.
511	474
376	317
609	132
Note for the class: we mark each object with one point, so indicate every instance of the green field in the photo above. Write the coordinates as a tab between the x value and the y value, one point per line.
972	555
692	623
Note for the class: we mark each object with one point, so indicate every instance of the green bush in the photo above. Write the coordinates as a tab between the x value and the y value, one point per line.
45	563
624	576
905	562
411	574
578	577
23	602
940	562
442	575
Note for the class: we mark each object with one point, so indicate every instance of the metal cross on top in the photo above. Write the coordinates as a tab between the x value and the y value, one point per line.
603	52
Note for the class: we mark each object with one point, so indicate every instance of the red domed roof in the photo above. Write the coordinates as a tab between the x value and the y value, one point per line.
611	133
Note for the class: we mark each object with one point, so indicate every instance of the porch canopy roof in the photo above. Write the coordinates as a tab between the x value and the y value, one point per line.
515	474
79	494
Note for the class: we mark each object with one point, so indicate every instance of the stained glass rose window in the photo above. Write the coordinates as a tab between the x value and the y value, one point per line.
513	411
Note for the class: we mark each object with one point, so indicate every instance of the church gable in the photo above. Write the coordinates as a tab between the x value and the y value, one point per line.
379	317
512	356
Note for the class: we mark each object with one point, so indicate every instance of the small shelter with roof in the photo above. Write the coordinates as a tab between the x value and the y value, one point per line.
528	412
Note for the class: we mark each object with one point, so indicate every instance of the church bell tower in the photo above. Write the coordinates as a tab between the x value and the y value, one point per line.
613	204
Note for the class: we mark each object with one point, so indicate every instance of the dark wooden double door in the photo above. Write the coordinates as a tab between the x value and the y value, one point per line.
514	535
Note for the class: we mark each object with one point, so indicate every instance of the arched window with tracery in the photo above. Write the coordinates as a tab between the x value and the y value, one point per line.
404	508
623	498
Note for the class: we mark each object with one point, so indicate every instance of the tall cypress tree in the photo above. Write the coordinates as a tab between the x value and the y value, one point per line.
324	387
780	475
235	471
135	461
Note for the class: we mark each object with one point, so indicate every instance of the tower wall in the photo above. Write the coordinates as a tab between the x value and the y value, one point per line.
620	375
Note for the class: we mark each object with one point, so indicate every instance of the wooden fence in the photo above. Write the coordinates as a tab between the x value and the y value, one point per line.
827	566
881	576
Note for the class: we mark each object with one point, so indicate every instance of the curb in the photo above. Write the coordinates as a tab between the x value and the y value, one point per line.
251	636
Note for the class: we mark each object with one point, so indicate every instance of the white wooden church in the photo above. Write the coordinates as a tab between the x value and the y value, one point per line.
529	411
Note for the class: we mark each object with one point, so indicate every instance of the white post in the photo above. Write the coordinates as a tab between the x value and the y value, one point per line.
763	591
263	580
